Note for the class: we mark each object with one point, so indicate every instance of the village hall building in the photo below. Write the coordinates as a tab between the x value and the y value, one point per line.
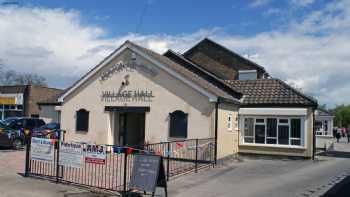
136	96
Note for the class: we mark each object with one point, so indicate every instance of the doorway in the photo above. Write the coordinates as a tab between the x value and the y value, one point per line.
129	128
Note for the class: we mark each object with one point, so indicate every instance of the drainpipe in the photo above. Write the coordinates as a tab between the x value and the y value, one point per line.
313	134
216	130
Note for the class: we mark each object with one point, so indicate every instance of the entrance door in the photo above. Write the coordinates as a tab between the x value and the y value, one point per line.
130	128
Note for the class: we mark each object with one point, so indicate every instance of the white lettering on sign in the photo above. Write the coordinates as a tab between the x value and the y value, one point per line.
95	154
42	149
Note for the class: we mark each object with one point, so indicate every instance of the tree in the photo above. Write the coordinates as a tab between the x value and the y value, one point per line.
342	115
11	77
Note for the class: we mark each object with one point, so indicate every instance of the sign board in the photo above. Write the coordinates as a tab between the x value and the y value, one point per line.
127	96
71	155
11	99
42	149
147	173
95	154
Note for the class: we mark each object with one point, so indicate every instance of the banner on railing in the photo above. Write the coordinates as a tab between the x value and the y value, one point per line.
71	155
42	149
95	154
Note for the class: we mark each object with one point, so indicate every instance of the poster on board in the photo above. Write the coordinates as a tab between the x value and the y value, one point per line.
95	154
71	155
42	149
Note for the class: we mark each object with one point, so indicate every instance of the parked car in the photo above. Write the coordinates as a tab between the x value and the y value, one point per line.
11	138
23	123
49	130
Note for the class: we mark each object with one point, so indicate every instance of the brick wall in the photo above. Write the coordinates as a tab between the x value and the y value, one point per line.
38	94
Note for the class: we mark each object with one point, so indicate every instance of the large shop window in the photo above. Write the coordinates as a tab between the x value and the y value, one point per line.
178	124
82	120
279	131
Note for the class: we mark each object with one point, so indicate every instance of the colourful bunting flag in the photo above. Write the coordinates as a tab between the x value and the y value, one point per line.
179	145
129	150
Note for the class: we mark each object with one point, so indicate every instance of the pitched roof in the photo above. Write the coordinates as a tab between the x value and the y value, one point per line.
12	89
221	61
181	60
270	92
196	79
53	100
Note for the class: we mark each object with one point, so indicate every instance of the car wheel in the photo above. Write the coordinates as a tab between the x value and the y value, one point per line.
17	144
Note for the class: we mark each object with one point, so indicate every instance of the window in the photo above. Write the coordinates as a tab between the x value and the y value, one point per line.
29	123
279	131
295	132
229	122
260	131
271	135
247	75
283	131
178	124
82	120
249	130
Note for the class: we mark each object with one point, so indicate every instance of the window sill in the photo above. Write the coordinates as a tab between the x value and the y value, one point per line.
274	146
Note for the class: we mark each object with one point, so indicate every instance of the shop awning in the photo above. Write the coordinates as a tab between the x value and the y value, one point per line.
127	109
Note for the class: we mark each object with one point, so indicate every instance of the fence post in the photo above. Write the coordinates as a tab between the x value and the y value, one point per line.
27	163
168	162
58	157
125	169
196	156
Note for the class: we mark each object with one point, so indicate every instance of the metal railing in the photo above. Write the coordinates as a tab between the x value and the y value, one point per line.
179	157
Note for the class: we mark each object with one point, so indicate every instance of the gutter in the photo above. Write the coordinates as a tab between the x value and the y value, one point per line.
216	130
313	134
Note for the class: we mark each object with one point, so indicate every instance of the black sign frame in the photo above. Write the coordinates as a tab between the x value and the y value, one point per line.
157	175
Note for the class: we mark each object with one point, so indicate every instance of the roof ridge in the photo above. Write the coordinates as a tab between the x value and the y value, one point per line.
203	70
226	49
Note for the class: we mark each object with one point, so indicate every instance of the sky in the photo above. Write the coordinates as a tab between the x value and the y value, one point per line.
304	42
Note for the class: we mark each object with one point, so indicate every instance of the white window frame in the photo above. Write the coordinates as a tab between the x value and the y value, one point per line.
303	125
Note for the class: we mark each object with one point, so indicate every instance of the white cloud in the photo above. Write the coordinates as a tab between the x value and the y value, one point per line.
302	3
313	54
257	3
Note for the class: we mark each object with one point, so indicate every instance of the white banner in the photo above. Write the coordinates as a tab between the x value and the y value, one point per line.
71	155
95	154
42	149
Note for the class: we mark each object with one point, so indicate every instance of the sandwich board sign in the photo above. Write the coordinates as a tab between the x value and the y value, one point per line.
148	173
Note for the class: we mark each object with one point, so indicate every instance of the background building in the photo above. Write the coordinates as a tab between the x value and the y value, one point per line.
21	100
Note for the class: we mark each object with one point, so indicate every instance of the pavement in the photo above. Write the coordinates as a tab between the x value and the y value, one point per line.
253	176
243	177
13	184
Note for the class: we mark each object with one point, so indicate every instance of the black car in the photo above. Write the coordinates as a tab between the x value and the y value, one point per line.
11	138
23	123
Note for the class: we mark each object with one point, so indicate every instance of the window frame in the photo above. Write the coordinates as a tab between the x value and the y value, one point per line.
76	120
170	125
302	131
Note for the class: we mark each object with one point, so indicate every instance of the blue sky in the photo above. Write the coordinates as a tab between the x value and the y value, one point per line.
304	42
241	17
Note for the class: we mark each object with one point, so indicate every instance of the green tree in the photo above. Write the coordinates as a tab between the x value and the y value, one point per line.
342	116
